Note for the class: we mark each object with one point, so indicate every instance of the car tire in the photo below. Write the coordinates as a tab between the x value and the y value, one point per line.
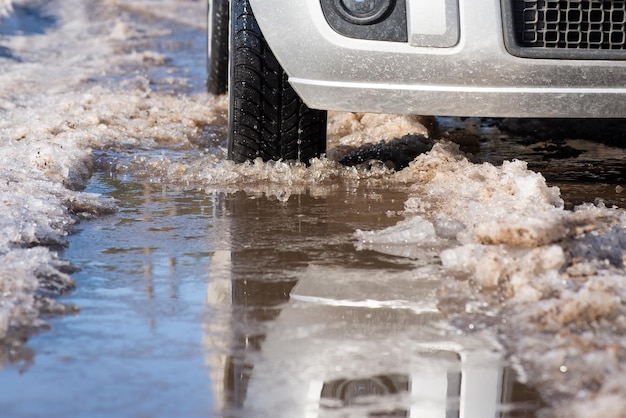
217	46
267	119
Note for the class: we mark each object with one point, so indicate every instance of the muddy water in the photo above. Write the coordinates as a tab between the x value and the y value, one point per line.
252	304
215	304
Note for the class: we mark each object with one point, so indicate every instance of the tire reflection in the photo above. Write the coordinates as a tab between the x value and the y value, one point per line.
300	324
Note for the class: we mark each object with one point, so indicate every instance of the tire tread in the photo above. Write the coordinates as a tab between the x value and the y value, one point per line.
267	117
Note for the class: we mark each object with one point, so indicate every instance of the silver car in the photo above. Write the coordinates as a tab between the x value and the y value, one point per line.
286	59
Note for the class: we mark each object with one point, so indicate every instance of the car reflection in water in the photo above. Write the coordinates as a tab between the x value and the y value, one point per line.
300	324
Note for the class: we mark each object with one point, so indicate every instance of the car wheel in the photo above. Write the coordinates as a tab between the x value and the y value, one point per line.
267	119
217	46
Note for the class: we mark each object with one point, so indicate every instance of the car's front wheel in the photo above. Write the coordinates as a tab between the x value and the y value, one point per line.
267	119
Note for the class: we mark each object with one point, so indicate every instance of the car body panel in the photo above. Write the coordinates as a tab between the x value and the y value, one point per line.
475	77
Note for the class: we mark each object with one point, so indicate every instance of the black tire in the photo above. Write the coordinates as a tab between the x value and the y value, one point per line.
217	46
267	119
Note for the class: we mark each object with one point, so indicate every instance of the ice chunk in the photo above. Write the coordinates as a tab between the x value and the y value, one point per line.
411	231
413	238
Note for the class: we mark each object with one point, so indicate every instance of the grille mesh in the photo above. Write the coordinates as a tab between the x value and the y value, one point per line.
570	24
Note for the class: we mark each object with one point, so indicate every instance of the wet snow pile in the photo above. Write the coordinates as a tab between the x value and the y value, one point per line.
36	214
549	281
52	114
101	118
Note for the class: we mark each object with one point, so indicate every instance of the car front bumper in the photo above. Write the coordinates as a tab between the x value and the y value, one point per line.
475	77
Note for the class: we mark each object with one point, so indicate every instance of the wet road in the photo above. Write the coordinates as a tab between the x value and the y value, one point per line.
227	291
182	291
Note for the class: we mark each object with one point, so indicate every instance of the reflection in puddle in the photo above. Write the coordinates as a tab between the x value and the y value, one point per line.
341	393
234	305
298	324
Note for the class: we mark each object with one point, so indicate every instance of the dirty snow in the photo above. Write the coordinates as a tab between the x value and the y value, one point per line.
550	281
52	114
547	280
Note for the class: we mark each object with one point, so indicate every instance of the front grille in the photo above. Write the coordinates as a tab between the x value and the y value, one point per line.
575	27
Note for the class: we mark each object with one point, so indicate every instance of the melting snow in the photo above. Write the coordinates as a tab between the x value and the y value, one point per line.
51	116
548	280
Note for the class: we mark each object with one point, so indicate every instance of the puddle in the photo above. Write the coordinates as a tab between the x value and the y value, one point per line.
257	303
137	337
212	304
